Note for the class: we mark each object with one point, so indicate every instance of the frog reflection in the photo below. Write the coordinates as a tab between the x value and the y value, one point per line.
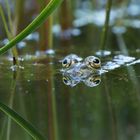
90	81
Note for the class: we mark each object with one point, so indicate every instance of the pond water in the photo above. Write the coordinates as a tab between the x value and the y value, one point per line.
36	91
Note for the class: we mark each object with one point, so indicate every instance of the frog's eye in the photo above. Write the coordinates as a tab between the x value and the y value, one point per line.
93	62
66	63
97	81
66	80
96	61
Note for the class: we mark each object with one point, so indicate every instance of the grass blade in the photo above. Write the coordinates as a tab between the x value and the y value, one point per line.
20	121
53	4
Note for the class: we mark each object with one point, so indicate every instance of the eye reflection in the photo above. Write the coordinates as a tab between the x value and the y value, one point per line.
91	81
67	80
97	81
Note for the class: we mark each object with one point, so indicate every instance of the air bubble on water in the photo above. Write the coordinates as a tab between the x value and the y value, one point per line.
15	67
21	67
21	59
50	52
103	53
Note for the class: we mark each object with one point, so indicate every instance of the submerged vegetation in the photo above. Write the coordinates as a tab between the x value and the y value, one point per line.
53	101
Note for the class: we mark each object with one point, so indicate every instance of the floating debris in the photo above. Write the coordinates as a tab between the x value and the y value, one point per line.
134	62
117	61
16	67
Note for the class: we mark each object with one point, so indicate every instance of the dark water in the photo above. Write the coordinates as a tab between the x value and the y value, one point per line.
108	111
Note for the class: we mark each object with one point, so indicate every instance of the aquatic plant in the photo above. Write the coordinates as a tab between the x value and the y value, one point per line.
23	123
46	12
10	30
106	24
45	31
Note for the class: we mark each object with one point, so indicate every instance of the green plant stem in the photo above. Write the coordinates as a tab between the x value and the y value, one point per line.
53	4
9	33
19	16
50	38
46	35
65	11
105	28
23	123
9	14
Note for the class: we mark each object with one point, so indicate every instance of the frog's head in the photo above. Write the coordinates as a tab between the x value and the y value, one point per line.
70	60
92	62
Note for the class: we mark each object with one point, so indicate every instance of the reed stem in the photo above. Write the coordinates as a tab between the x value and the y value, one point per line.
19	16
46	35
9	33
106	25
65	11
47	11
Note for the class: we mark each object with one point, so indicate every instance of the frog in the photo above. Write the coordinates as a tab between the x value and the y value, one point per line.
75	67
89	70
75	70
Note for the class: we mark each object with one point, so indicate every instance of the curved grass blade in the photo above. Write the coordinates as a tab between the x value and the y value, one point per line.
53	4
20	121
